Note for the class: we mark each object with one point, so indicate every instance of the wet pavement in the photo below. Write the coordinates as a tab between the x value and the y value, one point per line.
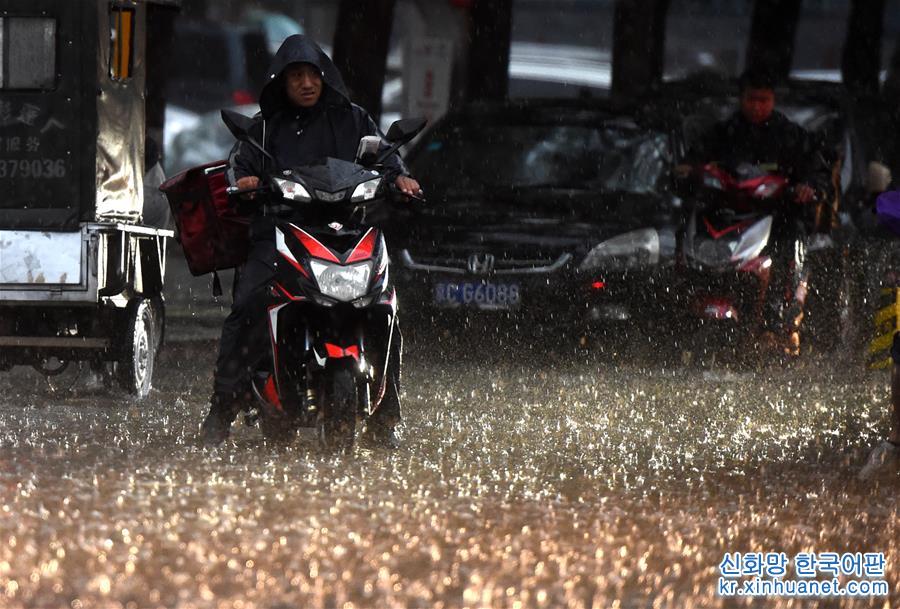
575	480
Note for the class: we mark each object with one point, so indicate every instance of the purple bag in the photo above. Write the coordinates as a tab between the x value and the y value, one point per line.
887	206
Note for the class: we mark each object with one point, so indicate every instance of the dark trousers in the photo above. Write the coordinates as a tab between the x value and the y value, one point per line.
245	346
389	412
787	257
244	342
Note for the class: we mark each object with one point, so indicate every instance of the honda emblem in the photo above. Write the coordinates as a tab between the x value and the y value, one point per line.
481	264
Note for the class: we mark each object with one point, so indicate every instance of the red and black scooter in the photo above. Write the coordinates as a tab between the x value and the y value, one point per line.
727	249
331	308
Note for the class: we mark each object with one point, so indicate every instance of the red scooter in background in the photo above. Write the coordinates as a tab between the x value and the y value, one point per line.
727	253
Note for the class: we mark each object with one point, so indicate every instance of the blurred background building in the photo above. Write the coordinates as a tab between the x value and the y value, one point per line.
422	57
557	48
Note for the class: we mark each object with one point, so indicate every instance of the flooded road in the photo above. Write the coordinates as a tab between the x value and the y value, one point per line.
586	481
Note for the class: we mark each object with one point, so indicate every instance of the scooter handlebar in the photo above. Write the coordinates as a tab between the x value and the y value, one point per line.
396	193
234	191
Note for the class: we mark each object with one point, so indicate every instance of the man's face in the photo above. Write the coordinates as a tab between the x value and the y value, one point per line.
757	105
303	84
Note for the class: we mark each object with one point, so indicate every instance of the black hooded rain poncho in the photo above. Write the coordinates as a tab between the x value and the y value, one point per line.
302	136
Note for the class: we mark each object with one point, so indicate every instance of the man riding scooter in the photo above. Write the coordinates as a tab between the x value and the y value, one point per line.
306	115
759	135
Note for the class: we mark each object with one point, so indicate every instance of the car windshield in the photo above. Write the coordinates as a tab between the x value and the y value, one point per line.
606	157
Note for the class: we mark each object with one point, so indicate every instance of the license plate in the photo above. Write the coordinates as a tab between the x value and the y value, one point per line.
479	294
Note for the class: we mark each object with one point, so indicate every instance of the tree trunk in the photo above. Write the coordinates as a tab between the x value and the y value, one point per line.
861	62
160	32
772	35
361	41
488	59
638	45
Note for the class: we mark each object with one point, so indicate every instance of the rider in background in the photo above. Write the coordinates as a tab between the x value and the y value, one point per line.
306	115
757	134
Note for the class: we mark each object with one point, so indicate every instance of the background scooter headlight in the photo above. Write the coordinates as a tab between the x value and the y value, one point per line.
343	283
753	241
293	190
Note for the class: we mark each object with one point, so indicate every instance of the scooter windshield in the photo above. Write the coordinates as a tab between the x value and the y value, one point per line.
751	171
332	179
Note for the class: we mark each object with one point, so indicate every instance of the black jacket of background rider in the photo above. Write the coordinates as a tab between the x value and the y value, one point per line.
776	141
297	136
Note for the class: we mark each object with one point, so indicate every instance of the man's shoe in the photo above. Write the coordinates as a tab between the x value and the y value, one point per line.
883	457
214	430
217	425
381	436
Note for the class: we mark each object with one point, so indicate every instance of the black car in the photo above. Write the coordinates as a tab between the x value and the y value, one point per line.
554	211
214	65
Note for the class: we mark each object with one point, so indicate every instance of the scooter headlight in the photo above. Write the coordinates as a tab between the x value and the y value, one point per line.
342	282
630	250
365	191
293	191
765	190
753	241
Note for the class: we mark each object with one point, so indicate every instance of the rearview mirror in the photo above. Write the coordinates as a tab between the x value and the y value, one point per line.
401	132
367	153
405	129
239	126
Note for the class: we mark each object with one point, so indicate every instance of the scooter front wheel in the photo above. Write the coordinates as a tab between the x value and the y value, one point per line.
336	425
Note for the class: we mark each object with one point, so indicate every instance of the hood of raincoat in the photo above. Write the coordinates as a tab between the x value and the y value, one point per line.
301	49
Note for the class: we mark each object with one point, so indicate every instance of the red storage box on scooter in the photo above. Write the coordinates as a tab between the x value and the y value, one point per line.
212	233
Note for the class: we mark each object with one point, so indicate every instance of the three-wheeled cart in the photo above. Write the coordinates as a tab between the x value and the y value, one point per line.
81	274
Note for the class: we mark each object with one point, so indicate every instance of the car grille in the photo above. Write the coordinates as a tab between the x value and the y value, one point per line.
481	266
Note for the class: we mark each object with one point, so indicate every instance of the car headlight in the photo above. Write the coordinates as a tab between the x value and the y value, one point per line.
365	191
630	250
293	191
343	283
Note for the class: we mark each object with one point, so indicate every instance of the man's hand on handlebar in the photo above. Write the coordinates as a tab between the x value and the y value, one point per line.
247	188
804	193
247	182
683	171
409	187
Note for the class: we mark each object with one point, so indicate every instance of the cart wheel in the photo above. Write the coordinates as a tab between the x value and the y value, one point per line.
51	366
135	366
